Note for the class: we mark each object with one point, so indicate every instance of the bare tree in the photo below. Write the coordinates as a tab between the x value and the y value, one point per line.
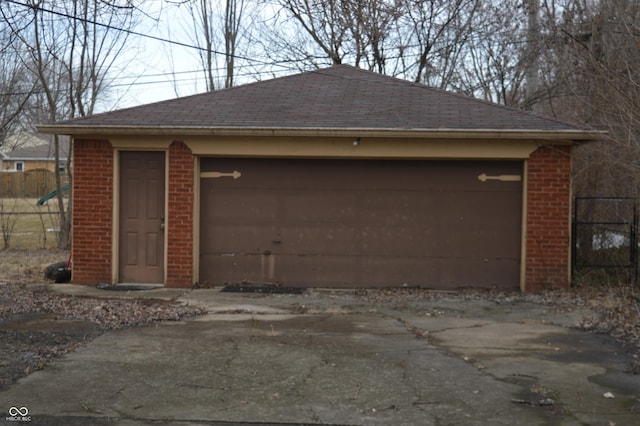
313	33
69	47
594	79
372	29
323	22
417	40
532	55
493	65
16	87
232	23
216	30
438	33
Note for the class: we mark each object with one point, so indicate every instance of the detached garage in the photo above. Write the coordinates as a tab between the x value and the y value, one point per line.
332	178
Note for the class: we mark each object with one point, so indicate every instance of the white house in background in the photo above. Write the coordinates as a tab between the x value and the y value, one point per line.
23	140
35	157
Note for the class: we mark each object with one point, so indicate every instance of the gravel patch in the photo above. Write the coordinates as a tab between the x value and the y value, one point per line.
38	324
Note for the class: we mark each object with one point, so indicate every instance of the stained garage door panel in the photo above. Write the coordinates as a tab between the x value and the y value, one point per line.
296	270
254	239
233	239
361	223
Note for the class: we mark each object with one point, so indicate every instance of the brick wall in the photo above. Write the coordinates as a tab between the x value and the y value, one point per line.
92	218
179	222
548	220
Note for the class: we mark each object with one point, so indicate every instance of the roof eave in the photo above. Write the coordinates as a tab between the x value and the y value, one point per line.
30	158
101	131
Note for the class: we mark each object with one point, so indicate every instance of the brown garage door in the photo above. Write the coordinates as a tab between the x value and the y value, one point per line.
364	223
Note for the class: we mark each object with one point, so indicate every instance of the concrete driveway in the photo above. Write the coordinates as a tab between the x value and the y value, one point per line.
335	358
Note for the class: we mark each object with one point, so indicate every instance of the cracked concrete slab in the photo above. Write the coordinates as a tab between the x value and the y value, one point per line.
566	366
337	359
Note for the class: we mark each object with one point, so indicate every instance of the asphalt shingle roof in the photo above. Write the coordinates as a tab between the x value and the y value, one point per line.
339	97
44	151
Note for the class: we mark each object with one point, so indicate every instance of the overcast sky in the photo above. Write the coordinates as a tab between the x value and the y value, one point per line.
153	70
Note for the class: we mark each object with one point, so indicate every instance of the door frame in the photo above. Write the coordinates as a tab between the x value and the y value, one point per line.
115	231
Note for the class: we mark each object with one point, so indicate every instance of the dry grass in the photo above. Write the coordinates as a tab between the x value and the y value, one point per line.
25	225
28	266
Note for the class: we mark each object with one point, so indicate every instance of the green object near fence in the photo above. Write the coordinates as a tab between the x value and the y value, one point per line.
52	194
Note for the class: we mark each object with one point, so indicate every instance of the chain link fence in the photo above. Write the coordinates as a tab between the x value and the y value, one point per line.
25	225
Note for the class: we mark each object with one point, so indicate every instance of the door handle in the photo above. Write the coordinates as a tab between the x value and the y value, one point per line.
162	224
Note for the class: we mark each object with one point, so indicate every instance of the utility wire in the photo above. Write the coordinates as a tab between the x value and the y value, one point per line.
162	40
142	82
131	32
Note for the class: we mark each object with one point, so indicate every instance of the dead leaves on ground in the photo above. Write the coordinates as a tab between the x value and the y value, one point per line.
616	309
107	314
27	346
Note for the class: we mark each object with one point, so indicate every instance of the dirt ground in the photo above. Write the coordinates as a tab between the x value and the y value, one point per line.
38	325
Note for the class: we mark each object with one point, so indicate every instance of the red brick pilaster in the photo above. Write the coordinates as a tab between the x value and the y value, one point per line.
179	223
548	218
91	244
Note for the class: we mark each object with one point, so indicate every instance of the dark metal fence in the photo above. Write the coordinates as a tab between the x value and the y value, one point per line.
605	240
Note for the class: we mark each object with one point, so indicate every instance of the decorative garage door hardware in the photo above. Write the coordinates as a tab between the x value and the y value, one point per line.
235	174
502	178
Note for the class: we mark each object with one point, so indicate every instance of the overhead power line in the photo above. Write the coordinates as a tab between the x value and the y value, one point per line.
135	33
120	82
